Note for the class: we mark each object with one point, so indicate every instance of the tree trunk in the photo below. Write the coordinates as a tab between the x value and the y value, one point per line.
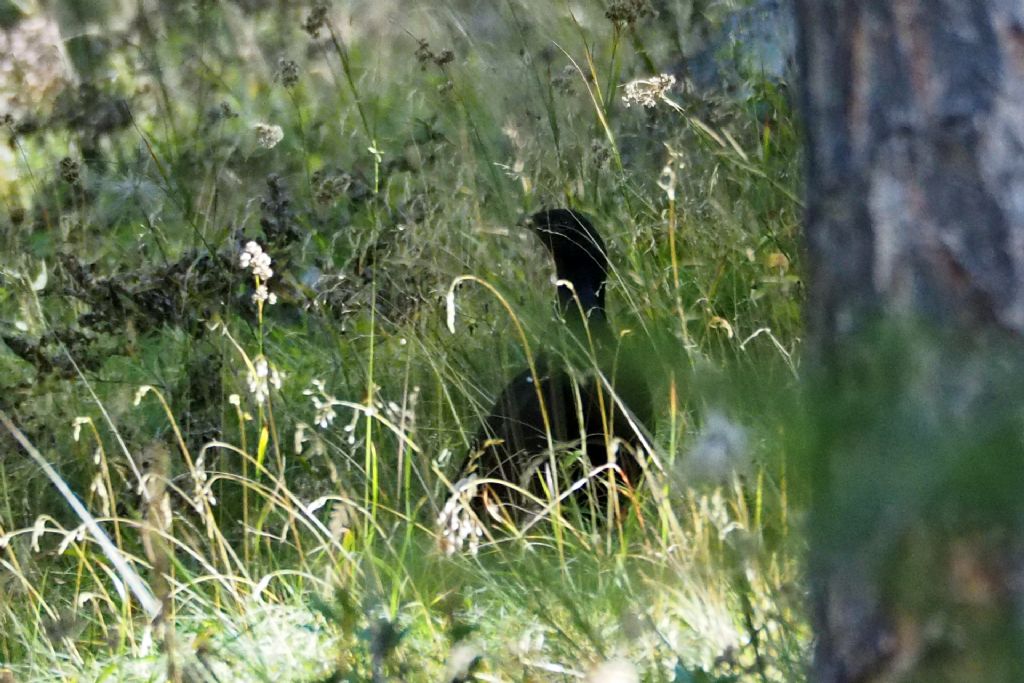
914	113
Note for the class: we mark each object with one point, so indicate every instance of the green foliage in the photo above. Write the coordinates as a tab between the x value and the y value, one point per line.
914	454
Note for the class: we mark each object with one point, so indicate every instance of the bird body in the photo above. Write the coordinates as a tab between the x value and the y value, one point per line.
559	414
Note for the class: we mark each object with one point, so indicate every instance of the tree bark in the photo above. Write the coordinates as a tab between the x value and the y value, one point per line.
914	116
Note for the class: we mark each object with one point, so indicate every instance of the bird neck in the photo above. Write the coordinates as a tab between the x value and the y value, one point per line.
582	299
583	310
588	284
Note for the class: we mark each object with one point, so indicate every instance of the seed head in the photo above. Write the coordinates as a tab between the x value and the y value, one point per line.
628	12
565	80
70	172
457	522
287	73
648	91
316	20
425	56
268	135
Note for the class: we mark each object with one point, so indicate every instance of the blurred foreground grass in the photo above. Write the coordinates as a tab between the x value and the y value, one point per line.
376	152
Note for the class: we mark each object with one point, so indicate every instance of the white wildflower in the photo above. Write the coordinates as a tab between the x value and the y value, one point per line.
647	92
263	295
258	379
323	403
261	266
318	384
250	250
268	135
261	377
254	257
324	413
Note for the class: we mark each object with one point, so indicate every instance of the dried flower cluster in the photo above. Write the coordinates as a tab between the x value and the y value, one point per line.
316	20
457	522
221	112
277	219
628	12
287	73
70	171
268	135
647	92
328	186
425	56
565	80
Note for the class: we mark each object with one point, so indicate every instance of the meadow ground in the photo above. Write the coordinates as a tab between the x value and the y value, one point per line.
270	446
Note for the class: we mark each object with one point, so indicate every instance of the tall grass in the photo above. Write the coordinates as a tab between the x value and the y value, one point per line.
275	471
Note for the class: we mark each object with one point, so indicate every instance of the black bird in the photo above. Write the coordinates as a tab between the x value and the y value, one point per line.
559	411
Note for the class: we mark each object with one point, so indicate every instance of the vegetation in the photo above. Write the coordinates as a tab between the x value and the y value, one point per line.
271	446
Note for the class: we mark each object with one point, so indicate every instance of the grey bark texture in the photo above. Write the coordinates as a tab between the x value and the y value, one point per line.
914	113
914	116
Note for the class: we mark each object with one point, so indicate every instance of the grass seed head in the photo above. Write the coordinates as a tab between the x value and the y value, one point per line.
647	92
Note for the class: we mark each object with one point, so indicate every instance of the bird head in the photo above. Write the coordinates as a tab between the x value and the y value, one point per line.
579	256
